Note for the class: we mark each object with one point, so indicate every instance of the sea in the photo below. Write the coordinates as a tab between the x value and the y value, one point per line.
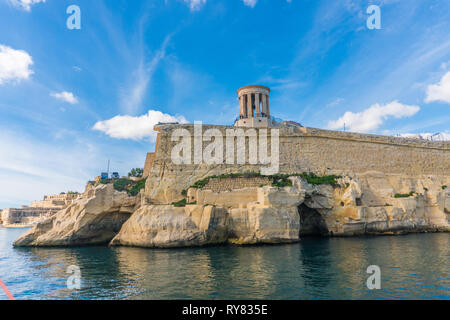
414	266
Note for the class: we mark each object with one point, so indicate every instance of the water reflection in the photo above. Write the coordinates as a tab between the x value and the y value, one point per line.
413	266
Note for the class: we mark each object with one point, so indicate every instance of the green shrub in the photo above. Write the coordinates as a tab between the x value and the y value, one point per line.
136	172
122	184
444	187
181	203
404	195
313	179
134	190
278	180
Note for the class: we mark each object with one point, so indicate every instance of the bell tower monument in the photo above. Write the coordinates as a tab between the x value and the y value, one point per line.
254	108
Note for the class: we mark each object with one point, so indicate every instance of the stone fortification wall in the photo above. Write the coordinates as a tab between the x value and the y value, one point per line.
25	215
300	150
228	184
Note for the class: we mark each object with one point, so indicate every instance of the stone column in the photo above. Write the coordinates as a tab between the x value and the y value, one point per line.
258	107
249	106
268	107
241	106
264	104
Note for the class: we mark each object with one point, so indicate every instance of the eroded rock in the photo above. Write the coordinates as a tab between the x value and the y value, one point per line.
90	220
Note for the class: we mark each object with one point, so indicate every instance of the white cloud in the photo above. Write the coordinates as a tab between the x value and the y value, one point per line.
65	96
373	117
25	4
135	128
250	3
441	136
195	5
440	91
14	64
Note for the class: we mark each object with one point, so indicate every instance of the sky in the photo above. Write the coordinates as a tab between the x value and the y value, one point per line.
70	99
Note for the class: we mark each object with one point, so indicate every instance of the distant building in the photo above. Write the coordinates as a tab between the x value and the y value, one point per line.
38	210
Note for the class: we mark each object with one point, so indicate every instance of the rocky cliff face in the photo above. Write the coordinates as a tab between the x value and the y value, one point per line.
372	203
167	226
365	204
94	219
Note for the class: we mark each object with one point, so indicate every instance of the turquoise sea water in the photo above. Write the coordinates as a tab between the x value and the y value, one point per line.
414	266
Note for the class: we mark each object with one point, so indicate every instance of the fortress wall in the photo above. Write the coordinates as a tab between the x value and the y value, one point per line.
303	149
227	184
148	164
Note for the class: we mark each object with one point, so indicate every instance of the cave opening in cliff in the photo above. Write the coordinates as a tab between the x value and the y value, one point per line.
312	222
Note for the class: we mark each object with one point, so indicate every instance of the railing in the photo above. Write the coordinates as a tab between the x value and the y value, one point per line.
263	115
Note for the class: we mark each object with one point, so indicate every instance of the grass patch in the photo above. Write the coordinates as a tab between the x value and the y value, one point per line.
404	195
182	203
313	179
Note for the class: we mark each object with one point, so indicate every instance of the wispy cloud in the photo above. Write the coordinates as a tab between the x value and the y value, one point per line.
34	167
135	128
15	65
65	96
25	4
195	5
373	117
440	91
132	98
250	3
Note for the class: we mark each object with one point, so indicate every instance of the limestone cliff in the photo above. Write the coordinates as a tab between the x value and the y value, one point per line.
363	204
371	203
93	219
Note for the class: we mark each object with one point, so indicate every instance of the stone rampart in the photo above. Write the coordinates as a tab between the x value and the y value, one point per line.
300	150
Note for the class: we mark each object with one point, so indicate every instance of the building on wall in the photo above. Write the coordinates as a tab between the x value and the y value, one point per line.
254	108
57	201
25	215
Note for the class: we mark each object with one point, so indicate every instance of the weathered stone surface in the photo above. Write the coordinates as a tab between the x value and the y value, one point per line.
167	226
263	224
302	150
357	205
90	220
367	205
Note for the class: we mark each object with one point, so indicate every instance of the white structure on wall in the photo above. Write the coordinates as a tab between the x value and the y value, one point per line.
254	110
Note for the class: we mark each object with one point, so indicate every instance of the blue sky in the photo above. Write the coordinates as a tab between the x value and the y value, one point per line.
138	62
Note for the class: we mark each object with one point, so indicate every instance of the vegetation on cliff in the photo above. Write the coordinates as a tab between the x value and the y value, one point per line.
131	187
136	172
182	203
404	195
278	180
